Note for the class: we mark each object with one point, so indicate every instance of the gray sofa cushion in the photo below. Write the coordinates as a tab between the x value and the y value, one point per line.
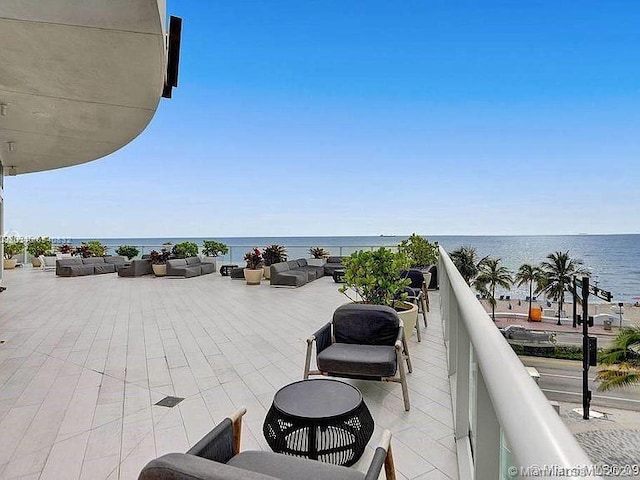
279	267
191	271
104	268
287	467
90	260
293	264
116	260
363	360
181	466
302	262
193	260
365	324
289	278
176	266
334	260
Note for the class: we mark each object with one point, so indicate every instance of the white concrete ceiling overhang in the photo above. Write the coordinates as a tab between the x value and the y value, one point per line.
79	78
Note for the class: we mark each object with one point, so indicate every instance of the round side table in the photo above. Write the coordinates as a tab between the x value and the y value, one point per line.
321	419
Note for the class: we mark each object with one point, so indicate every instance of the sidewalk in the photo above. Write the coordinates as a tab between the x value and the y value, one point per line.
610	441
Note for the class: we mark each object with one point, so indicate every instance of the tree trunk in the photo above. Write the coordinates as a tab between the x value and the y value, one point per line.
560	302
530	294
493	304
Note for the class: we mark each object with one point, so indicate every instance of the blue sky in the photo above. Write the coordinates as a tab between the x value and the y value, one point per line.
369	117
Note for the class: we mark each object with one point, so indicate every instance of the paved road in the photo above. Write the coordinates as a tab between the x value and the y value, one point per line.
561	380
576	339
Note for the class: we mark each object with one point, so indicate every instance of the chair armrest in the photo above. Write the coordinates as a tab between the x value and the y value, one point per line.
322	338
382	456
400	337
223	442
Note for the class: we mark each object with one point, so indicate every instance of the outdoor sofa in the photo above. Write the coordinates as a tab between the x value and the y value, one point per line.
189	267
137	268
77	267
296	273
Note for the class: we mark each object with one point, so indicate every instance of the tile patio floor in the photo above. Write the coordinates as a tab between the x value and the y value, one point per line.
85	359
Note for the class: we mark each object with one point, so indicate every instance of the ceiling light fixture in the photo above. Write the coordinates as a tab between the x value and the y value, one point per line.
11	146
3	109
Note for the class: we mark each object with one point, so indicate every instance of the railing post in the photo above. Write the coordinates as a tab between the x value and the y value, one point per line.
453	328
461	420
486	457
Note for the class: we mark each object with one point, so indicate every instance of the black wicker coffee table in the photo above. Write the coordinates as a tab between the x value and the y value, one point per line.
321	419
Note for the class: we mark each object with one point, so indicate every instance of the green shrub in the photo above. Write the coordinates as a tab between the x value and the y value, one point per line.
39	246
420	251
128	251
12	246
92	248
376	276
211	248
562	351
185	250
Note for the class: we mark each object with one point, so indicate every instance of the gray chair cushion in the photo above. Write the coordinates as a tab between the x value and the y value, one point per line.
90	260
334	260
365	324
293	264
302	262
176	266
192	271
181	466
66	262
286	467
358	360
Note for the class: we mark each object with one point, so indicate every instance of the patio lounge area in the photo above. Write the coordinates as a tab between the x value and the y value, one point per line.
84	360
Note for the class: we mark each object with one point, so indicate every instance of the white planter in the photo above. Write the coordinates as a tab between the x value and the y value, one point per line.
159	270
409	318
316	262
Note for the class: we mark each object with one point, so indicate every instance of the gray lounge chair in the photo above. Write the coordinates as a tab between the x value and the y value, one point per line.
217	457
363	341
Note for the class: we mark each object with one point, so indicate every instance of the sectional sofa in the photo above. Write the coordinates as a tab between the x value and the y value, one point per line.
296	273
77	267
189	267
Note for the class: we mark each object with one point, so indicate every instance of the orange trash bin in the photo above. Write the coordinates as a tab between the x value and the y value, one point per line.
535	314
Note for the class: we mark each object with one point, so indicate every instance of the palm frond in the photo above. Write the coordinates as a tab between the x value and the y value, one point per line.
618	376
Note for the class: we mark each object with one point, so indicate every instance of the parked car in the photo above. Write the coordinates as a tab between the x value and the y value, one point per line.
518	332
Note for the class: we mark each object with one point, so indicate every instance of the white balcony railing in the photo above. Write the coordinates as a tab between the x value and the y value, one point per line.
505	427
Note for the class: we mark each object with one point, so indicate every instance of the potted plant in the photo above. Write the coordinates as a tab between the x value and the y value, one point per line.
273	254
185	250
128	251
38	246
66	249
92	248
319	255
253	271
420	251
376	278
159	262
212	249
12	246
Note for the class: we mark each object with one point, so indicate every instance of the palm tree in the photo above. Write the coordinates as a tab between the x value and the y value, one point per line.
529	274
491	275
464	258
622	359
558	273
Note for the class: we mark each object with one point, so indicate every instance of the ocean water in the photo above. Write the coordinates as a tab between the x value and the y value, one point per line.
613	260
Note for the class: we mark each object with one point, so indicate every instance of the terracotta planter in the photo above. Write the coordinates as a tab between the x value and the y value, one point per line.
10	263
252	276
159	270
